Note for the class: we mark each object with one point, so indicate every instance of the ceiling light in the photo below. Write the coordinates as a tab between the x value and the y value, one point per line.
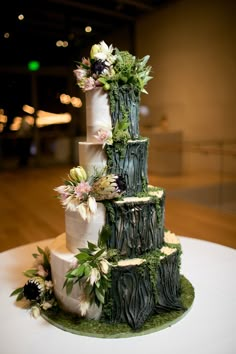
88	29
21	17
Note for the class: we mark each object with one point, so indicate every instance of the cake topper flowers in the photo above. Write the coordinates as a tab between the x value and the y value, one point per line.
107	67
81	192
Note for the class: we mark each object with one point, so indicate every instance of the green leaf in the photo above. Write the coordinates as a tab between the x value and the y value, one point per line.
102	80
83	257
98	254
20	296
69	286
41	251
100	297
91	246
87	269
68	275
17	291
30	273
78	272
104	236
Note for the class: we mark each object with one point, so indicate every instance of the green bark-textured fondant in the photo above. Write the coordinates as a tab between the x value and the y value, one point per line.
136	227
134	296
133	300
124	101
168	284
131	165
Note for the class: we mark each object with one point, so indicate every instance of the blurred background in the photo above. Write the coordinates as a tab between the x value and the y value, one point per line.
188	113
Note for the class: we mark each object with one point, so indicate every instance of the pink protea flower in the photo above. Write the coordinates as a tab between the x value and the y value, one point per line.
64	191
104	136
82	188
41	271
86	61
80	73
89	84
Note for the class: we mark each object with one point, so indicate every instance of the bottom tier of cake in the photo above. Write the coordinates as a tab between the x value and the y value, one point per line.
139	287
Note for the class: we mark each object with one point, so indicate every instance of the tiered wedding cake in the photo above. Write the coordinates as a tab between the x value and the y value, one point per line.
127	267
115	265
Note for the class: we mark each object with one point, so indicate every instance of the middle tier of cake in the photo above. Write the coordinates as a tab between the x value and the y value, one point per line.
136	224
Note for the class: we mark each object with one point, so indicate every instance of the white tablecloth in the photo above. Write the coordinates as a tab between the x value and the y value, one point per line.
208	328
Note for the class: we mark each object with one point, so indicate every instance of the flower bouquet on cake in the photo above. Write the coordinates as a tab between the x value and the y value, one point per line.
121	75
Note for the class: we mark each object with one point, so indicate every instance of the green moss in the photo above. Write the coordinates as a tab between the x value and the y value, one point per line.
102	329
110	211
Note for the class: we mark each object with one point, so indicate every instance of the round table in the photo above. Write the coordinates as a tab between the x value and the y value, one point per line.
208	328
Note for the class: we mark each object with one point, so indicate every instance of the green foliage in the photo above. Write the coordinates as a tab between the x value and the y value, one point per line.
92	272
129	70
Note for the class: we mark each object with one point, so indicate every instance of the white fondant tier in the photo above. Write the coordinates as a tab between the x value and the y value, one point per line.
92	156
79	231
62	260
97	112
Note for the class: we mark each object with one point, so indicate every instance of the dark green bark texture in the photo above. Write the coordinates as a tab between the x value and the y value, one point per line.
135	298
124	101
131	164
136	227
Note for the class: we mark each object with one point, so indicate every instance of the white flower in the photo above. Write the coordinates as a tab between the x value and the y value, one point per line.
35	312
104	266
71	203
92	204
78	174
48	284
41	271
94	50
46	305
102	52
82	209
94	276
63	190
84	304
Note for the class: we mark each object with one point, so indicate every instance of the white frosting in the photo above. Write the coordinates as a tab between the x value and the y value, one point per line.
92	155
61	261
97	112
79	231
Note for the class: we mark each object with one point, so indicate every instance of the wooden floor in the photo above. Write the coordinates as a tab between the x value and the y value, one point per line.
30	211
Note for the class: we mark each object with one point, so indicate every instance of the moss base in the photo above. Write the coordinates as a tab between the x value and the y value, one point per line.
92	328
